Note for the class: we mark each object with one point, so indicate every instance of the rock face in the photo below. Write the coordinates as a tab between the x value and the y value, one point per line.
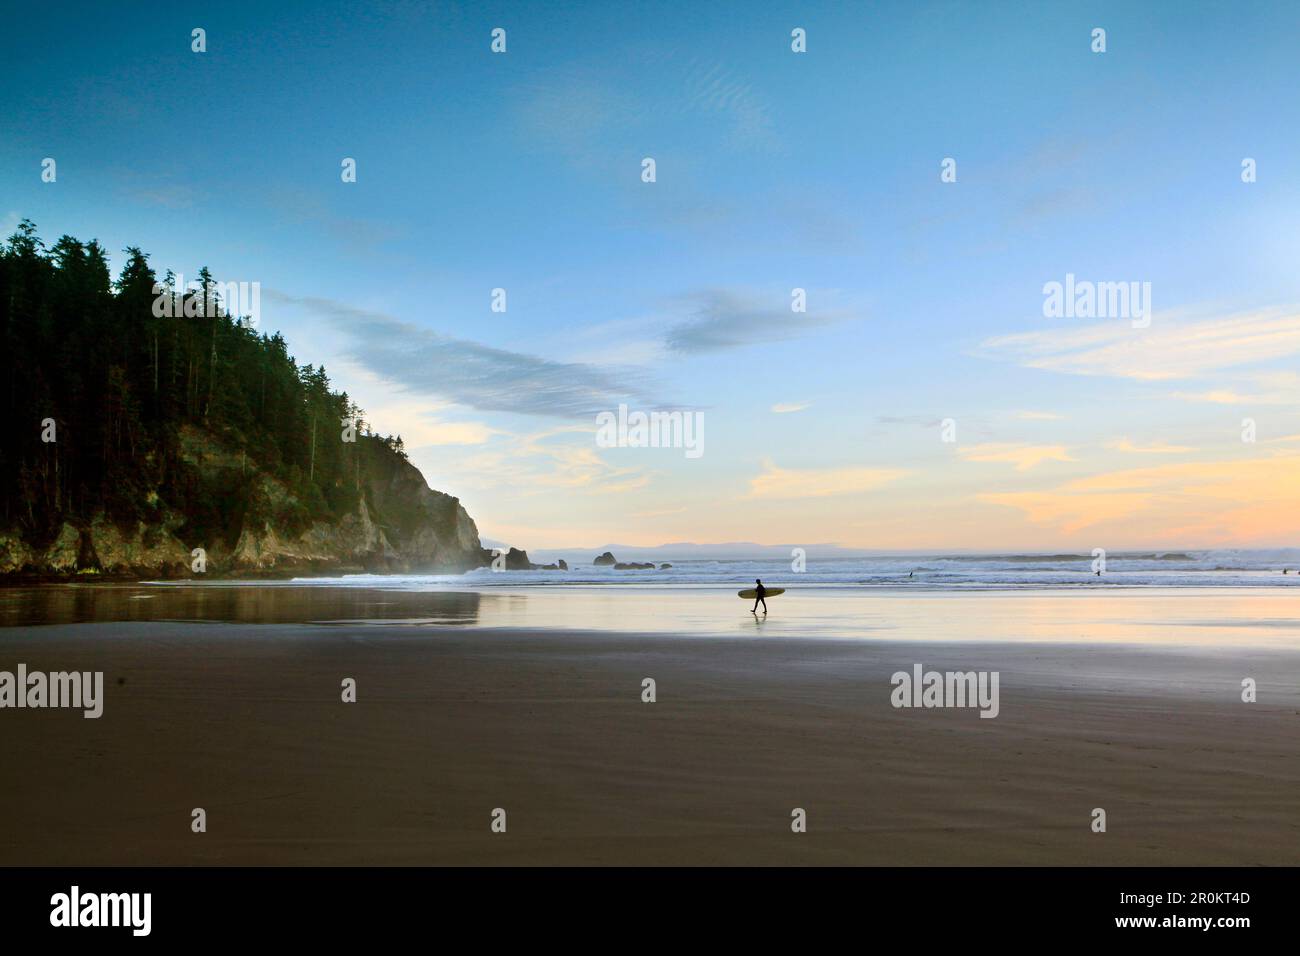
606	559
14	554
517	560
634	566
400	524
419	528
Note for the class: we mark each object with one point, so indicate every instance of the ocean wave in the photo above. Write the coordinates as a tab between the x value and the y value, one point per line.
1217	568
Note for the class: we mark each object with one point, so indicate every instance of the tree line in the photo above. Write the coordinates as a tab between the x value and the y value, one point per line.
110	401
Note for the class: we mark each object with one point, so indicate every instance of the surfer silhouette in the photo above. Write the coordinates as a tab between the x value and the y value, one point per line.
760	592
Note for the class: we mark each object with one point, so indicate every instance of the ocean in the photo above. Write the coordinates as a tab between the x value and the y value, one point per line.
1209	568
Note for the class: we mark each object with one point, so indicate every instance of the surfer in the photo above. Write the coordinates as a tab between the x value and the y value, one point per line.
760	592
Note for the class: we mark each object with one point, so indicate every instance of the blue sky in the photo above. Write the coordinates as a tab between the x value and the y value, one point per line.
775	170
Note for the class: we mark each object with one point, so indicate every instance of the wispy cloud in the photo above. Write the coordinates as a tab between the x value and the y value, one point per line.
1171	348
576	113
1217	396
420	425
1262	388
158	188
365	235
776	482
470	373
1023	457
1050	203
579	112
713	88
785	408
550	460
726	320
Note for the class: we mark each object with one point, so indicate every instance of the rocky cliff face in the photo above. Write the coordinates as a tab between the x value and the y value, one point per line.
415	528
400	524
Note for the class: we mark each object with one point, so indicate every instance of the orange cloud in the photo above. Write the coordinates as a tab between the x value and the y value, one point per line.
1024	457
1256	499
1155	448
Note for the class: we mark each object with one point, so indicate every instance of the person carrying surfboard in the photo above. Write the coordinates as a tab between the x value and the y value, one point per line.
760	593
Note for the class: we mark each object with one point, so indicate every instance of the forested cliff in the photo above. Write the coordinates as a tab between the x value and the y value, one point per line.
135	438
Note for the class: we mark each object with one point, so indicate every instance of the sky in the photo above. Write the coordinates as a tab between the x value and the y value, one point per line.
924	400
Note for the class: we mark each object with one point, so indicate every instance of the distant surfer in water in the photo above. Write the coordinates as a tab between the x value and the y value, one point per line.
760	592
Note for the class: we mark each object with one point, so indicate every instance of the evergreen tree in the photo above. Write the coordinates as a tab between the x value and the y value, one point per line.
130	372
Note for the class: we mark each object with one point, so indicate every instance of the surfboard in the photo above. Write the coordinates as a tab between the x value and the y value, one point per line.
751	593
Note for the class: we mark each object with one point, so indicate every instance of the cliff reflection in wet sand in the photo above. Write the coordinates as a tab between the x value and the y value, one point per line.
263	604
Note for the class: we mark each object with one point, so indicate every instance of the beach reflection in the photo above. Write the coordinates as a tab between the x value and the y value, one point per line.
1222	617
234	603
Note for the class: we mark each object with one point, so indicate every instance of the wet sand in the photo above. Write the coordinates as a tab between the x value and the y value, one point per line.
453	721
1175	617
